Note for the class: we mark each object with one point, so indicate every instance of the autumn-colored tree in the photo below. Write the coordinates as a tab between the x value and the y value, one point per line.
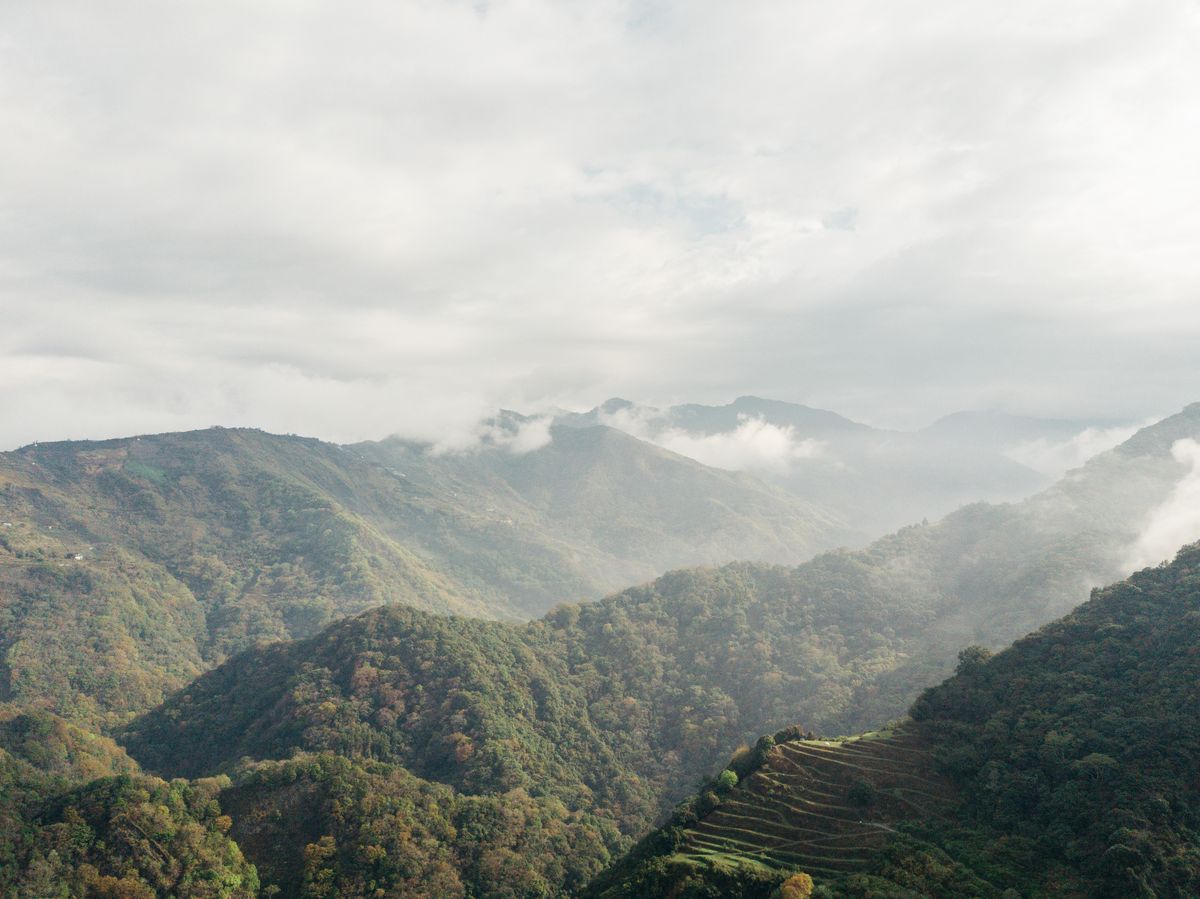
798	886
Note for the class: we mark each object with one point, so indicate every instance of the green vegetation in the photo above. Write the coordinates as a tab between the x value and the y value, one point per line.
1078	747
127	567
155	558
42	742
595	504
402	750
119	834
613	708
326	825
1064	766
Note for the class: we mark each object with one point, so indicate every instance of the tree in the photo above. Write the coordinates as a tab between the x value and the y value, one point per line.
972	658
798	886
726	781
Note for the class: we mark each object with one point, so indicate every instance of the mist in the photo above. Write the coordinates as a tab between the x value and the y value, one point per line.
1056	457
754	445
1176	522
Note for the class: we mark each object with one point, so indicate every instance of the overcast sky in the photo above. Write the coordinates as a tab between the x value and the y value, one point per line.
345	220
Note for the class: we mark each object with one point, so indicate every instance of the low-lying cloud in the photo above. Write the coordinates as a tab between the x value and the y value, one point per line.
1177	521
517	437
754	445
1056	457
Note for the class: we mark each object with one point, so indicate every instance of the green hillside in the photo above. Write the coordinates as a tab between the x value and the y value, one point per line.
78	818
612	709
400	746
327	825
823	806
1064	766
127	567
592	511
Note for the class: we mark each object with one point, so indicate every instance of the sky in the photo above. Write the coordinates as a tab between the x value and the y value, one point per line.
352	220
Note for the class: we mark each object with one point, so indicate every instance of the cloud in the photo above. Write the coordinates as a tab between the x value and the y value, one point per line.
531	435
1056	457
1176	522
517	437
754	445
426	210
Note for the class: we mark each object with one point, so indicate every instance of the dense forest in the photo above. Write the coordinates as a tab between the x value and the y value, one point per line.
77	818
1064	766
401	751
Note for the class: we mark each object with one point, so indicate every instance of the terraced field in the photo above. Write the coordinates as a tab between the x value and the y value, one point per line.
823	806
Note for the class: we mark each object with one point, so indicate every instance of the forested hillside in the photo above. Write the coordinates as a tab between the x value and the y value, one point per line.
127	567
401	746
1064	766
77	818
602	715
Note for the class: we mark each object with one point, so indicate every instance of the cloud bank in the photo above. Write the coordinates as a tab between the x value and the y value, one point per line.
404	216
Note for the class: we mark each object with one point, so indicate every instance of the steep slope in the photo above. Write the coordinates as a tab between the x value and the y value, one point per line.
127	567
130	836
600	715
39	741
1064	766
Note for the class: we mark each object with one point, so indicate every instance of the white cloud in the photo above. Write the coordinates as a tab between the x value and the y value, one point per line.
1176	522
893	210
515	437
754	445
531	435
1056	457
